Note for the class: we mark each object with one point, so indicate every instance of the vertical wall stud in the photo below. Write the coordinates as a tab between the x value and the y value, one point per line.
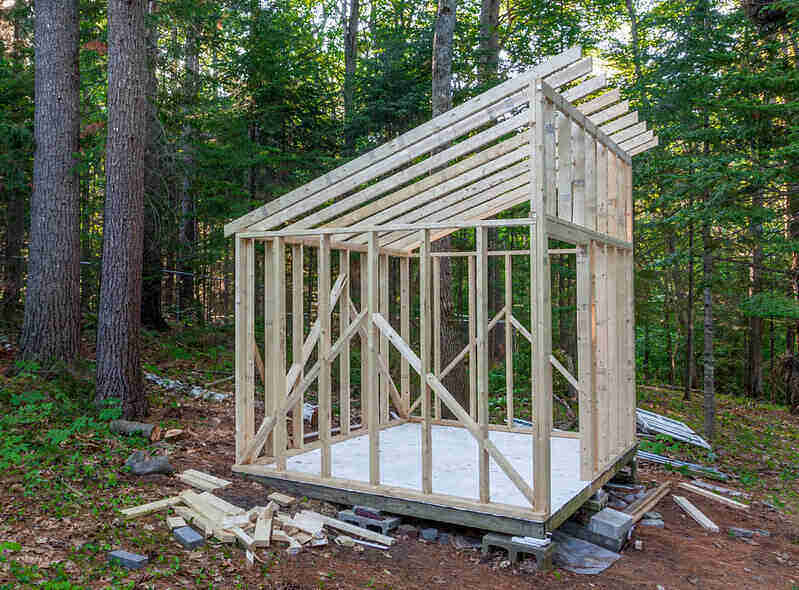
509	339
384	353
297	335
437	329
372	392
405	328
324	352
482	360
472	276
425	316
344	357
277	362
587	399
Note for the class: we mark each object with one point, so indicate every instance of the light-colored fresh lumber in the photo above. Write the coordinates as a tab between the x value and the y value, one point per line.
373	416
509	410
208	477
324	308
436	301
175	522
385	375
202	507
302	522
713	496
344	359
405	330
197	482
425	329
484	486
294	546
643	505
281	499
151	507
246	540
696	514
208	527
263	531
223	505
352	529
297	333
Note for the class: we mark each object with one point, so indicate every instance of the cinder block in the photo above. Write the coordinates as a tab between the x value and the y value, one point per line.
543	555
389	523
611	523
188	537
132	561
598	501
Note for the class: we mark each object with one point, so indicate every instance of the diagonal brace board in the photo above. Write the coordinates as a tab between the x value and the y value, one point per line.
269	423
316	329
474	428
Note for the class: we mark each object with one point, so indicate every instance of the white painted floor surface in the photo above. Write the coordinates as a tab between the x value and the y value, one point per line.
455	469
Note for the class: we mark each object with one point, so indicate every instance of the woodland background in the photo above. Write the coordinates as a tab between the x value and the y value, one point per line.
248	99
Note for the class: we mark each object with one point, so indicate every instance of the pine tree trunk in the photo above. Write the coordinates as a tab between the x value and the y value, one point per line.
350	26
51	328
456	381
755	377
709	361
119	321
188	221
151	314
690	365
489	41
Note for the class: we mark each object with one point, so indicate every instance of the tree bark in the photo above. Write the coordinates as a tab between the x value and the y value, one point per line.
51	327
755	364
690	364
489	41
443	36
188	222
709	361
151	314
350	26
119	322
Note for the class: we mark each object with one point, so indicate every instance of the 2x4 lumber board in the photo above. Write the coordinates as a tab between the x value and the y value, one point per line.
644	147
543	156
599	257
151	507
590	125
394	195
481	240
643	505
639	139
548	122
218	481
407	146
589	220
480	204
244	380
509	409
268	424
313	336
425	329
713	496
278	360
472	277
398	341
344	359
694	512
617	125
352	328
363	334
629	132
297	335
613	196
564	168
563	371
578	178
583	89
437	330
352	529
603	101
586	399
324	308
202	507
405	328
373	419
270	398
602	189
568	74
407	227
384	376
222	505
480	179
481	436
522	330
263	531
259	362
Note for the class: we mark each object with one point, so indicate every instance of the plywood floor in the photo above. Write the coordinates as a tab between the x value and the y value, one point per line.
455	468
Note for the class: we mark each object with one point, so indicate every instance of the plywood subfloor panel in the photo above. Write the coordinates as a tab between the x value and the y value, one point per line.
455	467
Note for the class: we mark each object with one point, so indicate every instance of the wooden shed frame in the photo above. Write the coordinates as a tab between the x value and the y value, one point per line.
554	137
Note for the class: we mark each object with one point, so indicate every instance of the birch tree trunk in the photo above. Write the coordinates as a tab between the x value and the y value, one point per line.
51	327
119	321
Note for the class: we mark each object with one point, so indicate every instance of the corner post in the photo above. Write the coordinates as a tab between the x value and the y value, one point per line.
425	276
277	362
542	164
245	358
372	393
482	361
587	397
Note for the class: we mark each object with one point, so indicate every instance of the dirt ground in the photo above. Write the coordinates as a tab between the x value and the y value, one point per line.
681	555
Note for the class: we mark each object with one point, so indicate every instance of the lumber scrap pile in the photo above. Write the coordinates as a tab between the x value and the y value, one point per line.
278	524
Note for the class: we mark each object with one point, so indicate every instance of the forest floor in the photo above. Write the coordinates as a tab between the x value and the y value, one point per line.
62	483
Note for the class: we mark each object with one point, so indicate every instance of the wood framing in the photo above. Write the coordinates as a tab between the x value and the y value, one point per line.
556	145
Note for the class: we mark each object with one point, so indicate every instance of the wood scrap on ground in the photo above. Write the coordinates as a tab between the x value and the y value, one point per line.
203	481
151	507
696	514
281	499
643	505
713	496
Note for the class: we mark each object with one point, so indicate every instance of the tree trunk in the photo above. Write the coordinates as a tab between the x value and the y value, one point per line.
709	361
631	12
489	41
350	26
119	320
456	381
51	328
151	314
188	230
690	364
755	376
